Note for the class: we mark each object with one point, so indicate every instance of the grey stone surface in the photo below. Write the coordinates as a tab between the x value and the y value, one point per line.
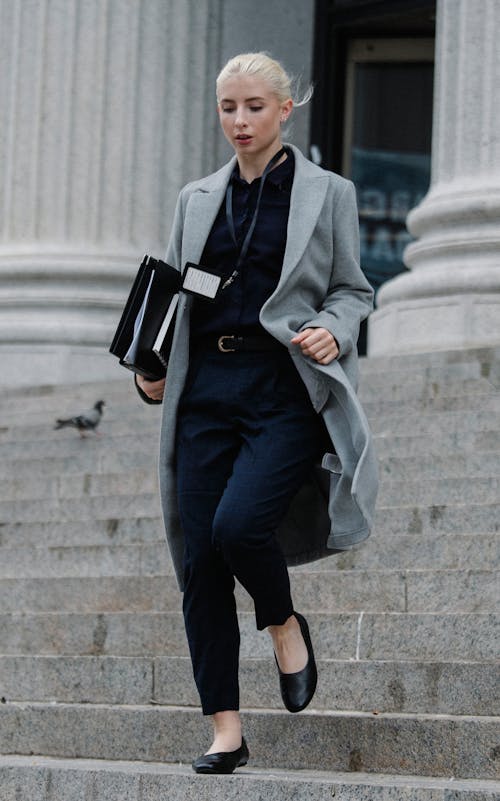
452	591
415	387
464	403
135	585
481	357
52	779
128	482
81	680
384	549
458	688
427	447
86	560
109	427
91	611
82	460
89	508
425	423
393	491
113	531
447	465
439	491
387	743
425	552
90	594
429	637
439	518
364	635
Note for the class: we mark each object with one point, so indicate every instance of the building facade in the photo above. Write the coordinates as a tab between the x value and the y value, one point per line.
109	107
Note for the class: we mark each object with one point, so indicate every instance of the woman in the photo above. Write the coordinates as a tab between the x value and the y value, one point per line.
241	427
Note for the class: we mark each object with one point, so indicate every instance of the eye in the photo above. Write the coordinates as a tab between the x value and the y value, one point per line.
255	108
227	109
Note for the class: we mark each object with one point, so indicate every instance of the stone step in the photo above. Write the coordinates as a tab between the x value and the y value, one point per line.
378	407
435	423
68	443
78	485
138	482
447	465
396	743
458	688
397	423
119	574
421	388
417	390
411	519
43	412
108	429
90	508
483	359
111	531
438	518
461	443
39	778
383	550
348	635
83	460
439	491
112	460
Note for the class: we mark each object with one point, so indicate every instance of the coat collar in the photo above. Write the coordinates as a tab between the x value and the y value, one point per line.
308	193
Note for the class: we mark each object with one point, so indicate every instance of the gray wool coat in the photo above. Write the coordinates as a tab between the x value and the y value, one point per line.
321	285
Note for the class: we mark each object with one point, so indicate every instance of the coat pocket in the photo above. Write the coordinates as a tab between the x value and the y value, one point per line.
332	463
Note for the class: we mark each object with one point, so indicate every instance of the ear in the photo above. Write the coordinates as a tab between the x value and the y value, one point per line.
286	109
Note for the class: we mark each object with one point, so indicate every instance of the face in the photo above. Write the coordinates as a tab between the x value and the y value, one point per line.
251	114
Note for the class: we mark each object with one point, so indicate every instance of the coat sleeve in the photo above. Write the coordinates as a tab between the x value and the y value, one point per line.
350	297
174	258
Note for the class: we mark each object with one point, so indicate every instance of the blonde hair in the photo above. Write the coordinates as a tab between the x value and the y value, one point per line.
268	69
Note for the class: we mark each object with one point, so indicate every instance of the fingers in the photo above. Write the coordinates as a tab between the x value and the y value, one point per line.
318	343
153	389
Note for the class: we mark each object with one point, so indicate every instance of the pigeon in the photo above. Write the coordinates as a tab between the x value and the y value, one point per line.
84	422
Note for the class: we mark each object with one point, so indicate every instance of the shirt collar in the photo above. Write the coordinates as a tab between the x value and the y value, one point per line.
279	176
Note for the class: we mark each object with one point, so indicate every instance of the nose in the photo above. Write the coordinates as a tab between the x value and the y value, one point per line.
240	118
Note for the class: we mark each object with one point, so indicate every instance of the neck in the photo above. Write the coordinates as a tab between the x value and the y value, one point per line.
252	167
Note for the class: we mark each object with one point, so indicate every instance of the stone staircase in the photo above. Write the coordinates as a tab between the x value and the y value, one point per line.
97	698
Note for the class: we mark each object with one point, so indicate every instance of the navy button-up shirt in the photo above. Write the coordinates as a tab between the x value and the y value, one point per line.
236	309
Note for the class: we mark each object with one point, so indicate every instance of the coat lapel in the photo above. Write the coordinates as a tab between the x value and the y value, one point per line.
201	211
306	201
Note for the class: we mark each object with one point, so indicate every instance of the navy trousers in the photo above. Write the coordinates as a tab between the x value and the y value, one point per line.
247	436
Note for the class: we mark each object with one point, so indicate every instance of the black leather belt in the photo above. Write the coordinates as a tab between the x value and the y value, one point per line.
230	343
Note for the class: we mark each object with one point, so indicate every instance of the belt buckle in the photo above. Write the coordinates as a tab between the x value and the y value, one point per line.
220	343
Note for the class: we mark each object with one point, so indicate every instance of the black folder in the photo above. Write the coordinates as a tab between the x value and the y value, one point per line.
144	335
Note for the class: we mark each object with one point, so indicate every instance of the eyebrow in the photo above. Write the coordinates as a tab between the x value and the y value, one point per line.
247	99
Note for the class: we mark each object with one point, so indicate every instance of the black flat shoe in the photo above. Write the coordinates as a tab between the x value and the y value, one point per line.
297	689
222	762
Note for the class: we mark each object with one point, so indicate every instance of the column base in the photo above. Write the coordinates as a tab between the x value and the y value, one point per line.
430	324
37	365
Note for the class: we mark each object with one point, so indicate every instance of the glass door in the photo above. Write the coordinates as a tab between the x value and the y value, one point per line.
387	143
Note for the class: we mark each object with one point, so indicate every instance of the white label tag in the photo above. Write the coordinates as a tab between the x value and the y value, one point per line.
201	282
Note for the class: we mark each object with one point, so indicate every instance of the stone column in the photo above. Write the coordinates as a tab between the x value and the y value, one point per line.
108	107
451	297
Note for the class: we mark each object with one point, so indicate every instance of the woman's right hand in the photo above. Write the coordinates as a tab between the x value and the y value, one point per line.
153	389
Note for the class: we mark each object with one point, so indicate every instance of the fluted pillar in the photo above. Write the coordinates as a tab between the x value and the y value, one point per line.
107	108
451	296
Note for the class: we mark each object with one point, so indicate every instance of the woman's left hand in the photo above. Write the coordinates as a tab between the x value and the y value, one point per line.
318	343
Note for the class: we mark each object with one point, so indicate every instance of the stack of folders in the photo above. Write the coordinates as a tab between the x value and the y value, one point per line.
143	338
